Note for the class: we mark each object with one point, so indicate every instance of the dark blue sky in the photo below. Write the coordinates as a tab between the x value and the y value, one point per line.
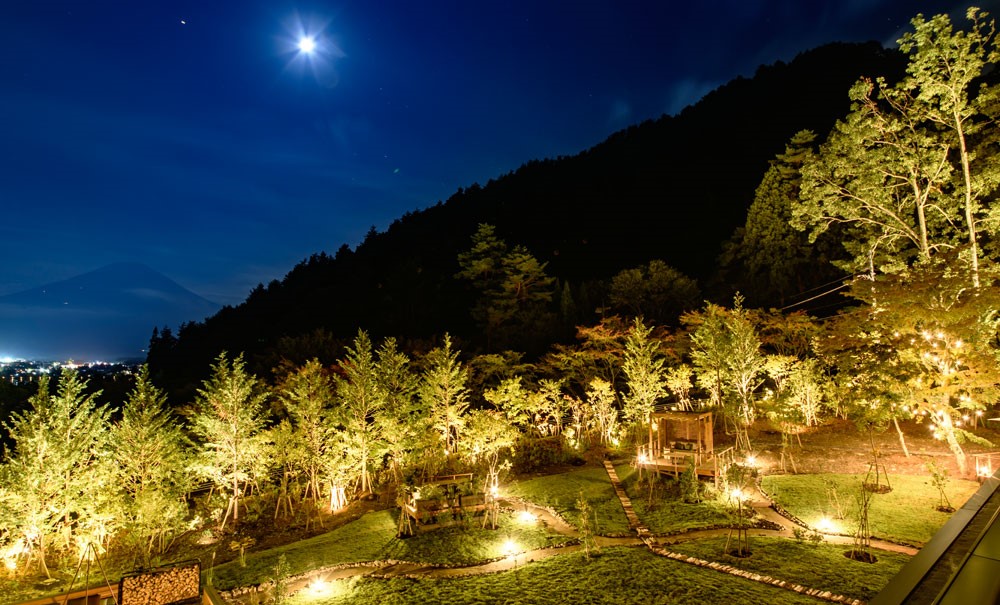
192	137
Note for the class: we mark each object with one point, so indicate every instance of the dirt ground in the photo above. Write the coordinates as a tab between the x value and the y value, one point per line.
839	446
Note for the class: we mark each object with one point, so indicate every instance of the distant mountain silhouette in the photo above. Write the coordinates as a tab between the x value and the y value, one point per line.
108	314
674	189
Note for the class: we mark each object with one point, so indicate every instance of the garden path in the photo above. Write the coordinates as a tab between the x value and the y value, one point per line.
760	502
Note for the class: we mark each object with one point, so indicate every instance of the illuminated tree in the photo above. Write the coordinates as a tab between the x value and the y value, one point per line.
402	422
443	393
644	376
307	394
228	420
152	455
600	353
678	382
938	336
489	438
361	401
59	475
899	172
600	405
943	66
728	363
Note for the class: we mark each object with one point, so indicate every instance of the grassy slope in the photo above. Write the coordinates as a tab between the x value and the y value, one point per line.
561	492
621	576
373	538
907	513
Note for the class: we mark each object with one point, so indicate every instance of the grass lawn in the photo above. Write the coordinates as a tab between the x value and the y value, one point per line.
622	576
561	492
668	513
822	566
906	514
373	538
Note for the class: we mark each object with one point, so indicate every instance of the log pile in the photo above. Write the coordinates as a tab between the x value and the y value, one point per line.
162	586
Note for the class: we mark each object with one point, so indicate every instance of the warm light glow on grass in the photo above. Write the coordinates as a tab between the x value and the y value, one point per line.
319	588
509	547
826	525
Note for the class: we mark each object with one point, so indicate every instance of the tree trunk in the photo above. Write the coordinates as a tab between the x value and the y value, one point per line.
967	177
902	438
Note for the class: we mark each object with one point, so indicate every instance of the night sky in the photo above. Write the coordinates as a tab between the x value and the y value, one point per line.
194	137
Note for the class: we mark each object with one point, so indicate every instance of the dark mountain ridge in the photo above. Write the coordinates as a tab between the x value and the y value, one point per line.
673	188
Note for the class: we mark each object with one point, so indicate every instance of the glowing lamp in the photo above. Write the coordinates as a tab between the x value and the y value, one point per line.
825	525
751	460
526	517
509	547
319	587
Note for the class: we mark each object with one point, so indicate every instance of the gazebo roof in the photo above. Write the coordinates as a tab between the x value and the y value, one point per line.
682	416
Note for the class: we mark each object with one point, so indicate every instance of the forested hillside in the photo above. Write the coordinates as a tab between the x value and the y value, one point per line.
672	189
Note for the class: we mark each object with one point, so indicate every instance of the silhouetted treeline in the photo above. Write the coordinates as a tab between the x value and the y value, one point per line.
672	189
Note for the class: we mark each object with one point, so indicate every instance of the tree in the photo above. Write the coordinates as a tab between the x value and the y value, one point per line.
775	260
153	455
443	393
514	291
307	394
402	422
744	366
228	420
938	337
913	162
59	476
600	404
488	436
655	291
728	363
644	375
942	68
361	400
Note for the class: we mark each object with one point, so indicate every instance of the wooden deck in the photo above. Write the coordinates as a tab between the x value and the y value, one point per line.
708	465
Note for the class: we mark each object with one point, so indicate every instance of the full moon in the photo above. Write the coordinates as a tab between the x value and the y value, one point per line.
307	44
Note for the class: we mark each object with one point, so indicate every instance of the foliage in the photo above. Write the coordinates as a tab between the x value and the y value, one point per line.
644	376
361	400
898	172
153	455
671	513
228	420
443	393
514	291
655	291
58	483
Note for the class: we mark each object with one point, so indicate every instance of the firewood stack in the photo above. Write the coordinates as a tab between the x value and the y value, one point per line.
162	586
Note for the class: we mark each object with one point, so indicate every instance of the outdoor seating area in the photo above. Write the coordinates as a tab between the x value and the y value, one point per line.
678	439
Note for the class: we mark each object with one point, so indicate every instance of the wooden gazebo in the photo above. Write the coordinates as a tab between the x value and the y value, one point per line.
678	438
